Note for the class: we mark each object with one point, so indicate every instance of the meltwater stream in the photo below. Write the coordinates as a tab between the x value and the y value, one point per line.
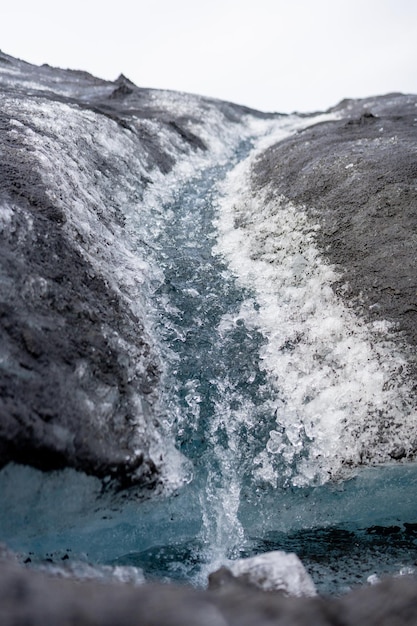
229	412
216	391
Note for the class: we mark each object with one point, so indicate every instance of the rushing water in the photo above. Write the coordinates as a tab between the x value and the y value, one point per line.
264	403
216	389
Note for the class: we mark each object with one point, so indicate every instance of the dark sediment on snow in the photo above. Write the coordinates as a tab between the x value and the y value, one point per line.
357	178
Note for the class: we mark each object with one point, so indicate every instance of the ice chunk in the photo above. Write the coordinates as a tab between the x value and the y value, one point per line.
272	571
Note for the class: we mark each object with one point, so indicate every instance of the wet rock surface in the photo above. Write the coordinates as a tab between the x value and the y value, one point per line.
357	178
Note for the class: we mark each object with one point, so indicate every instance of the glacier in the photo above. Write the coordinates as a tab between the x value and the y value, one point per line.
193	369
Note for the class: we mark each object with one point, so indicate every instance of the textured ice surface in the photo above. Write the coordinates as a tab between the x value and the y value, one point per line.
107	184
340	396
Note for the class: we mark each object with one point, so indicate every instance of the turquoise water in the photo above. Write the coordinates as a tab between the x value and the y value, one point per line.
343	533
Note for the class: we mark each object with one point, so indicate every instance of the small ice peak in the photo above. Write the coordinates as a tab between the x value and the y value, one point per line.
272	571
382	326
191	292
407	570
373	579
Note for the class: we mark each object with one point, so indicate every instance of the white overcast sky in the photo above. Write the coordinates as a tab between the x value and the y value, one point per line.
274	55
